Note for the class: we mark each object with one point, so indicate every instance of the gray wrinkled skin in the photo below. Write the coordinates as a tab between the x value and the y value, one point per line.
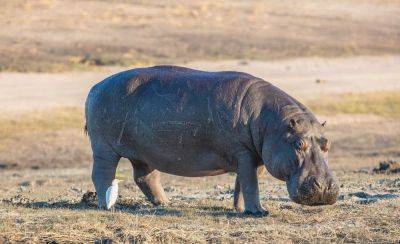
193	123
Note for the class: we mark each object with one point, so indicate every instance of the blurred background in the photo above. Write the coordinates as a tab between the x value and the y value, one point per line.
340	58
53	36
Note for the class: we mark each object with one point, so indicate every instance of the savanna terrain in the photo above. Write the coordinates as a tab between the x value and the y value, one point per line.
340	58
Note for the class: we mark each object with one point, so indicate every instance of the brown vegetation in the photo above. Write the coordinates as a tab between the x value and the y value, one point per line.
55	35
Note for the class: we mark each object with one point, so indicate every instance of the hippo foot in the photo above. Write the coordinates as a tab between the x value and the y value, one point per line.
258	213
160	203
101	208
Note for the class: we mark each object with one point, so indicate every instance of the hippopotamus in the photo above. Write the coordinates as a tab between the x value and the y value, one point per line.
195	123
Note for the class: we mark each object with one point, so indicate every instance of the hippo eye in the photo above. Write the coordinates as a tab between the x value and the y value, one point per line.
301	144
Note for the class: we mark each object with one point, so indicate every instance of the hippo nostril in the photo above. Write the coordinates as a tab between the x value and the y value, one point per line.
330	186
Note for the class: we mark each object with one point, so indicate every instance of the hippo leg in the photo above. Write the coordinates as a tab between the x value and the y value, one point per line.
248	183
238	201
103	173
149	182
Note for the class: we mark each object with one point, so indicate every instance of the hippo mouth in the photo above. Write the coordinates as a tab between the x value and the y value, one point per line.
312	193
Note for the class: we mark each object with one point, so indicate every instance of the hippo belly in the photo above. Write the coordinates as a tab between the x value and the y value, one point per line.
190	163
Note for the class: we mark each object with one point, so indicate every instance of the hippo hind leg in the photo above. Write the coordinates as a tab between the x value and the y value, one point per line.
238	201
105	162
148	180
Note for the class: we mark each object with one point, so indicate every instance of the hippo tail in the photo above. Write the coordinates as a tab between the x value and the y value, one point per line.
85	127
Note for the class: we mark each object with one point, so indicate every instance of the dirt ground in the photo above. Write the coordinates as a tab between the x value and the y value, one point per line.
298	76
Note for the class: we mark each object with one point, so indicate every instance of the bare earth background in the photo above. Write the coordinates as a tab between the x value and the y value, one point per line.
341	58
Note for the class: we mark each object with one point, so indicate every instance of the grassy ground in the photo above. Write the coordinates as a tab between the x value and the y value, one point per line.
378	103
55	35
48	207
43	138
45	171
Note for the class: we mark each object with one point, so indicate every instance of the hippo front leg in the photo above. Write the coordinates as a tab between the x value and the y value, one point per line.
103	173
238	201
246	187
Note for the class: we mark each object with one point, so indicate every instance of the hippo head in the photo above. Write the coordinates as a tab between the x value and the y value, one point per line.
297	152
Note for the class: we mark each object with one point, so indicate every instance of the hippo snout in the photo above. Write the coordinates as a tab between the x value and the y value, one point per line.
316	191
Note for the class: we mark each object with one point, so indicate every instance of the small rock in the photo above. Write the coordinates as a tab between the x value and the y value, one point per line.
320	81
218	187
286	206
8	165
243	62
41	182
363	170
169	189
25	183
76	189
387	167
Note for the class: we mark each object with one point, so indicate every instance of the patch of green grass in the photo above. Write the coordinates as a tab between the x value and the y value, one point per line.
378	103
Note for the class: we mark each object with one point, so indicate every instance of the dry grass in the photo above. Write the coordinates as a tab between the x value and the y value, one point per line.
378	103
196	214
44	138
60	35
41	120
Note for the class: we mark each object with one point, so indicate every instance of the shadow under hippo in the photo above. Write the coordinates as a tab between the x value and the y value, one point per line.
193	123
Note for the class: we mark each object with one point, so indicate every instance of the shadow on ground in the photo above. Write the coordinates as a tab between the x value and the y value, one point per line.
89	202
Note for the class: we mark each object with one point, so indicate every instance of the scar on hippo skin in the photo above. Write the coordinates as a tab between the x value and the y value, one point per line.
122	130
